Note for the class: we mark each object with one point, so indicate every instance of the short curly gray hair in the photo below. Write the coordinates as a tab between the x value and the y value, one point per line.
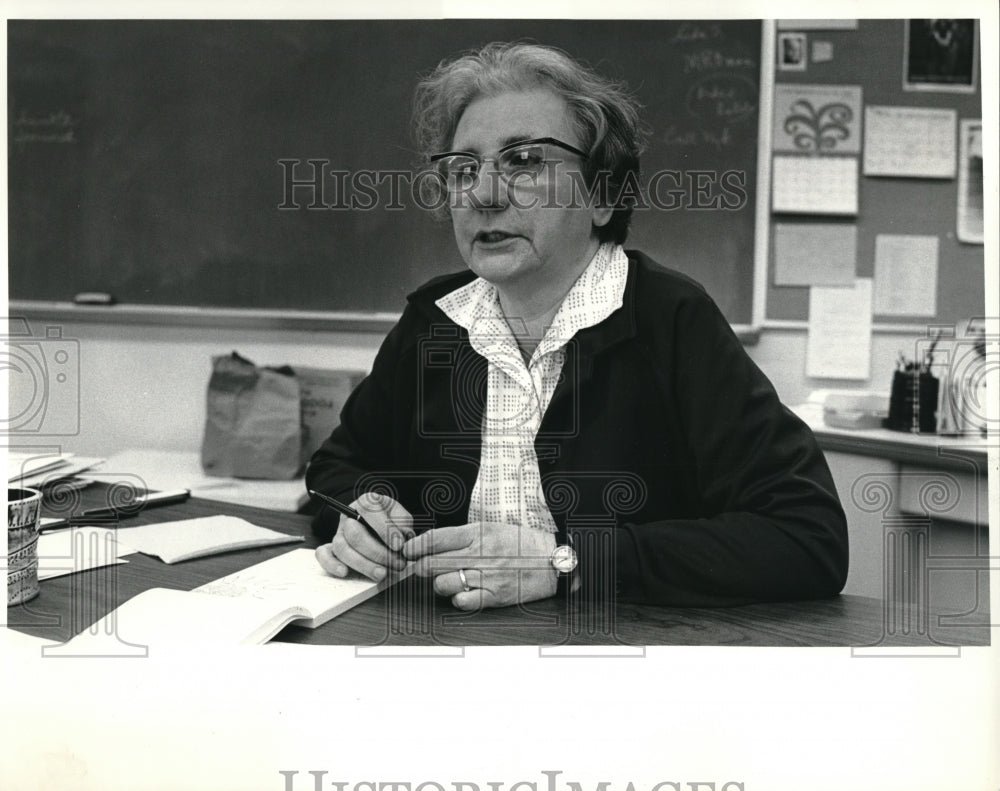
605	112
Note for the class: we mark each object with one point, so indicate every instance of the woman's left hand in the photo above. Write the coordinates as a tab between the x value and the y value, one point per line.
486	564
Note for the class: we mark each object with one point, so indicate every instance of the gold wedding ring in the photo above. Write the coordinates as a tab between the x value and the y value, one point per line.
465	582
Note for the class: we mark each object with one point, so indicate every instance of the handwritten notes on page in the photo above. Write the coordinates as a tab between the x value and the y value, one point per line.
918	142
839	344
906	275
173	542
815	185
815	255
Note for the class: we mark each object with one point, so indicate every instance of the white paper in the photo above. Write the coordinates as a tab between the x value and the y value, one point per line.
817	119
162	470
61	472
25	463
815	185
814	254
191	538
906	274
76	549
916	142
839	344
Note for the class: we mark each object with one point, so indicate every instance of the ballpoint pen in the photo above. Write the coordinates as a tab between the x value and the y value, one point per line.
126	509
349	512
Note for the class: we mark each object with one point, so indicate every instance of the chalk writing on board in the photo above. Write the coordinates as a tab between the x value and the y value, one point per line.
711	59
693	31
728	97
54	127
685	138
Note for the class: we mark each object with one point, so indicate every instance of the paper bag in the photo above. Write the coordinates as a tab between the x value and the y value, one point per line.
323	395
253	425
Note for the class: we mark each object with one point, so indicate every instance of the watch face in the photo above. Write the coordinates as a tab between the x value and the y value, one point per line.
564	559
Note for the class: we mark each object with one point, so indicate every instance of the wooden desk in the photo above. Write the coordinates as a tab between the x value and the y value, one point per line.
927	491
404	615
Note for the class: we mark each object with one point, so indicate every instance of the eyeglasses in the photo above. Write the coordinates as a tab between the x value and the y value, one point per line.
460	169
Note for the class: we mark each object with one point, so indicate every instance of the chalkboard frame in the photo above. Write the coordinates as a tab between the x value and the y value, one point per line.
380	321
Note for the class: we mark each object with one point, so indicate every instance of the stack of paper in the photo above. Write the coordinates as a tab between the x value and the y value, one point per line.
173	542
159	470
78	549
39	470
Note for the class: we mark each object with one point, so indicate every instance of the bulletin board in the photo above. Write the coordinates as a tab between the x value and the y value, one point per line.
871	56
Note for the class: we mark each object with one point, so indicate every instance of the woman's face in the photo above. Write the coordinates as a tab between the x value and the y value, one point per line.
524	233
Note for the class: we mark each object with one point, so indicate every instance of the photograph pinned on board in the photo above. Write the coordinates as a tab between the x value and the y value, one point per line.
940	55
792	52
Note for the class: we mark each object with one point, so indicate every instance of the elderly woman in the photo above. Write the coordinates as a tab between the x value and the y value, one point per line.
567	414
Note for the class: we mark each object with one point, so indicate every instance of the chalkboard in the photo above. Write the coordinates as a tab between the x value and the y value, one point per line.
151	159
872	57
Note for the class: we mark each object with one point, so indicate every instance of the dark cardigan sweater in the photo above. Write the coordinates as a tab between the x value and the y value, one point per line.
665	453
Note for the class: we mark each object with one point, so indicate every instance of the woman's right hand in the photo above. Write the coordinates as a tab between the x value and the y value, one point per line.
353	547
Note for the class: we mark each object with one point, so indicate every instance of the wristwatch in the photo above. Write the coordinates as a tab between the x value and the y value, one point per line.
564	559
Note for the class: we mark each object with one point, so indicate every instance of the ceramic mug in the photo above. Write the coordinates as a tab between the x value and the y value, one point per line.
24	508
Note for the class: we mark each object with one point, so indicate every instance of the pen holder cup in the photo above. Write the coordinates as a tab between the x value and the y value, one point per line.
913	403
24	507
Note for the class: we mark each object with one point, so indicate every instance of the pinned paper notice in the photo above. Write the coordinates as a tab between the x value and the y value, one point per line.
822	51
839	344
815	255
815	185
906	274
916	142
970	182
817	119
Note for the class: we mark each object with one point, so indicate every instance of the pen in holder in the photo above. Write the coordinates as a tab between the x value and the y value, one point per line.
913	400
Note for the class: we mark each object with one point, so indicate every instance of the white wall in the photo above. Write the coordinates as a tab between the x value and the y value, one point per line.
144	386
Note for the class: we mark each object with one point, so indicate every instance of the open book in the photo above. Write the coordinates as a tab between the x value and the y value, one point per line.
247	607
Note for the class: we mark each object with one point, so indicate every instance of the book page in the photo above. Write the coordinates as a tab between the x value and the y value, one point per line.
165	617
297	578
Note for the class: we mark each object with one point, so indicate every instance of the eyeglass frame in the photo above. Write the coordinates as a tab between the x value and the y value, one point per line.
481	160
